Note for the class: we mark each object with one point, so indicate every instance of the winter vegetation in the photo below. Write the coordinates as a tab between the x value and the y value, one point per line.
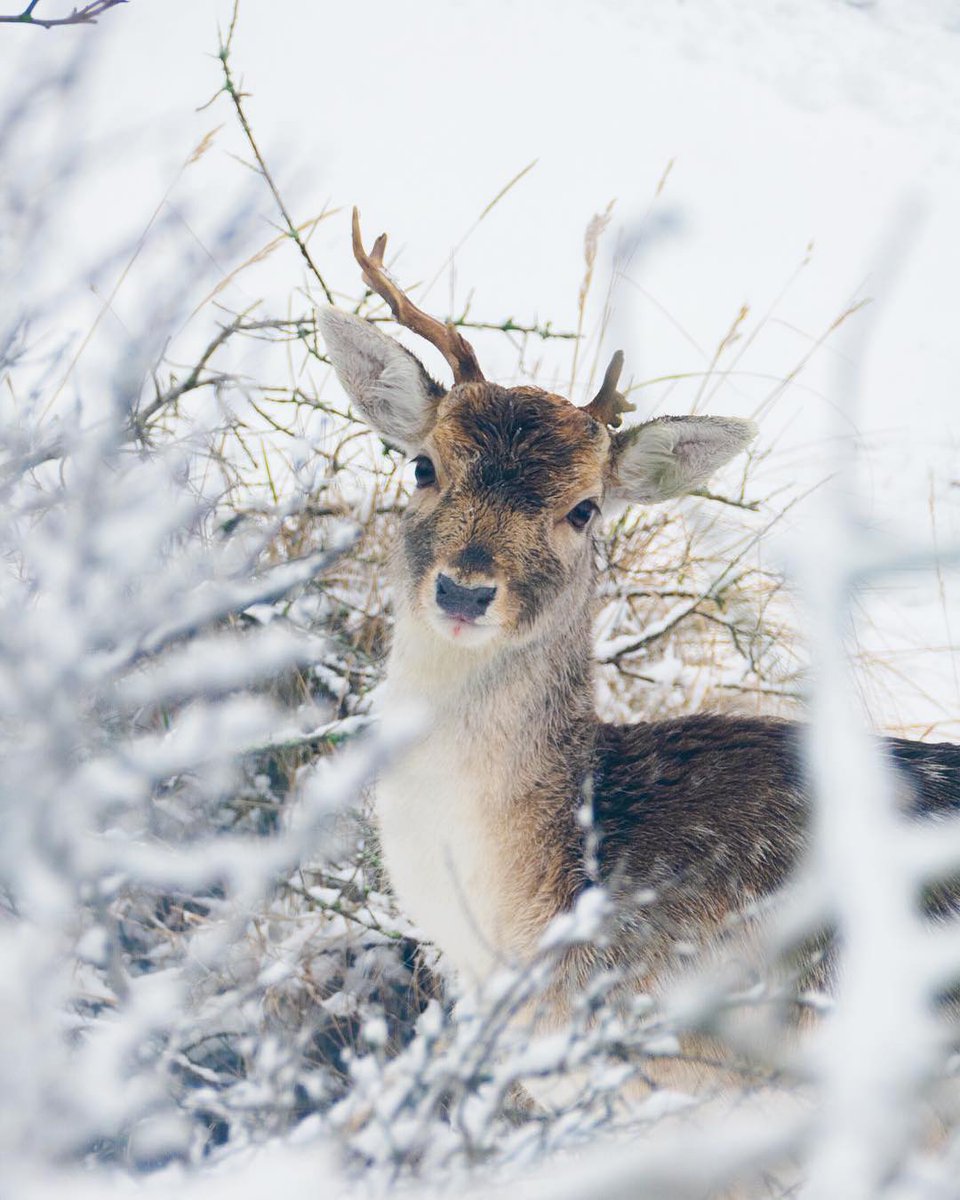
205	980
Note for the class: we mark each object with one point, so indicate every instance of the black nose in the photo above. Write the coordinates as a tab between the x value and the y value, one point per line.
466	602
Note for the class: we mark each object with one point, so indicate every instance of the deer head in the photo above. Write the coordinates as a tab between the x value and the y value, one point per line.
510	481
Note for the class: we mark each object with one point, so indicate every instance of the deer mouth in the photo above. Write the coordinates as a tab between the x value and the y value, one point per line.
464	631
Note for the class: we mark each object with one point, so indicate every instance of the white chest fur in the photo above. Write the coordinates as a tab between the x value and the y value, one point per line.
441	809
441	854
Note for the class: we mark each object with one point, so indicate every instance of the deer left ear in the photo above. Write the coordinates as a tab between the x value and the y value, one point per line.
384	380
672	455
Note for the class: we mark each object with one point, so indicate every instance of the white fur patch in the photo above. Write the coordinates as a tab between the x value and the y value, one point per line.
670	456
439	807
384	380
437	850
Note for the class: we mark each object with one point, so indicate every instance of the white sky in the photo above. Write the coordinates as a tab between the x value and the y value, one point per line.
790	123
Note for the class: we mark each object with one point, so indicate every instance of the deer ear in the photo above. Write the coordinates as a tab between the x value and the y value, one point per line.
672	455
384	380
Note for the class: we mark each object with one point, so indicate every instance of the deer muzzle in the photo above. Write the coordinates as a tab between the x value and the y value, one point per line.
463	603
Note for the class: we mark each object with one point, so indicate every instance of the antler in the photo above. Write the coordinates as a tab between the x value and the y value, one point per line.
609	405
452	345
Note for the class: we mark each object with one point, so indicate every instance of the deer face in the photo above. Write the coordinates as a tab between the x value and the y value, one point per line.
510	483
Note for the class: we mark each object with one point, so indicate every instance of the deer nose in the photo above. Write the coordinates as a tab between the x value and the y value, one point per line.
466	602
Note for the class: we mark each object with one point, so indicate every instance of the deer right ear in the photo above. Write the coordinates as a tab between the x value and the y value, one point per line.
673	455
384	380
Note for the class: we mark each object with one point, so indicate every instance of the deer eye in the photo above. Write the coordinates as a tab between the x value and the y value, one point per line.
579	516
424	471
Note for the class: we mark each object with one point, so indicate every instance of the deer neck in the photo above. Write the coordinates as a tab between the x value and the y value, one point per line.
478	817
513	703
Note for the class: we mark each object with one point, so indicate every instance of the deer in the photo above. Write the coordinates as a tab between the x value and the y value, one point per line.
493	588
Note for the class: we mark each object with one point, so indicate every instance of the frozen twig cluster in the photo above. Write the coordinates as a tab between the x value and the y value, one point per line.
129	711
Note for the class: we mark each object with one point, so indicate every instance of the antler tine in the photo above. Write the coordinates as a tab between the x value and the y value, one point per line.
452	345
609	405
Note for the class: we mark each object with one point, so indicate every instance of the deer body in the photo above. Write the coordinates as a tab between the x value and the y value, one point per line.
696	819
479	820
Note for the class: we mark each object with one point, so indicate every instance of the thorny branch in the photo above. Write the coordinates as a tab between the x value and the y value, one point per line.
197	378
749	505
237	97
87	15
544	331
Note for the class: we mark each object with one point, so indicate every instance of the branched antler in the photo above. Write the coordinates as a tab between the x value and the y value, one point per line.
85	15
609	405
452	345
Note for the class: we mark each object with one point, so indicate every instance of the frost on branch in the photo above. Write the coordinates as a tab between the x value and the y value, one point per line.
145	819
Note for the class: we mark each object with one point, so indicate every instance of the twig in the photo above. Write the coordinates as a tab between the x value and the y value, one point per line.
192	380
348	914
623	647
87	15
749	505
545	332
196	378
237	97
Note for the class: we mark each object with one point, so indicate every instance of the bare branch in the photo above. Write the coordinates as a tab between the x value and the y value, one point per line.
616	649
196	376
749	505
545	331
87	15
237	97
